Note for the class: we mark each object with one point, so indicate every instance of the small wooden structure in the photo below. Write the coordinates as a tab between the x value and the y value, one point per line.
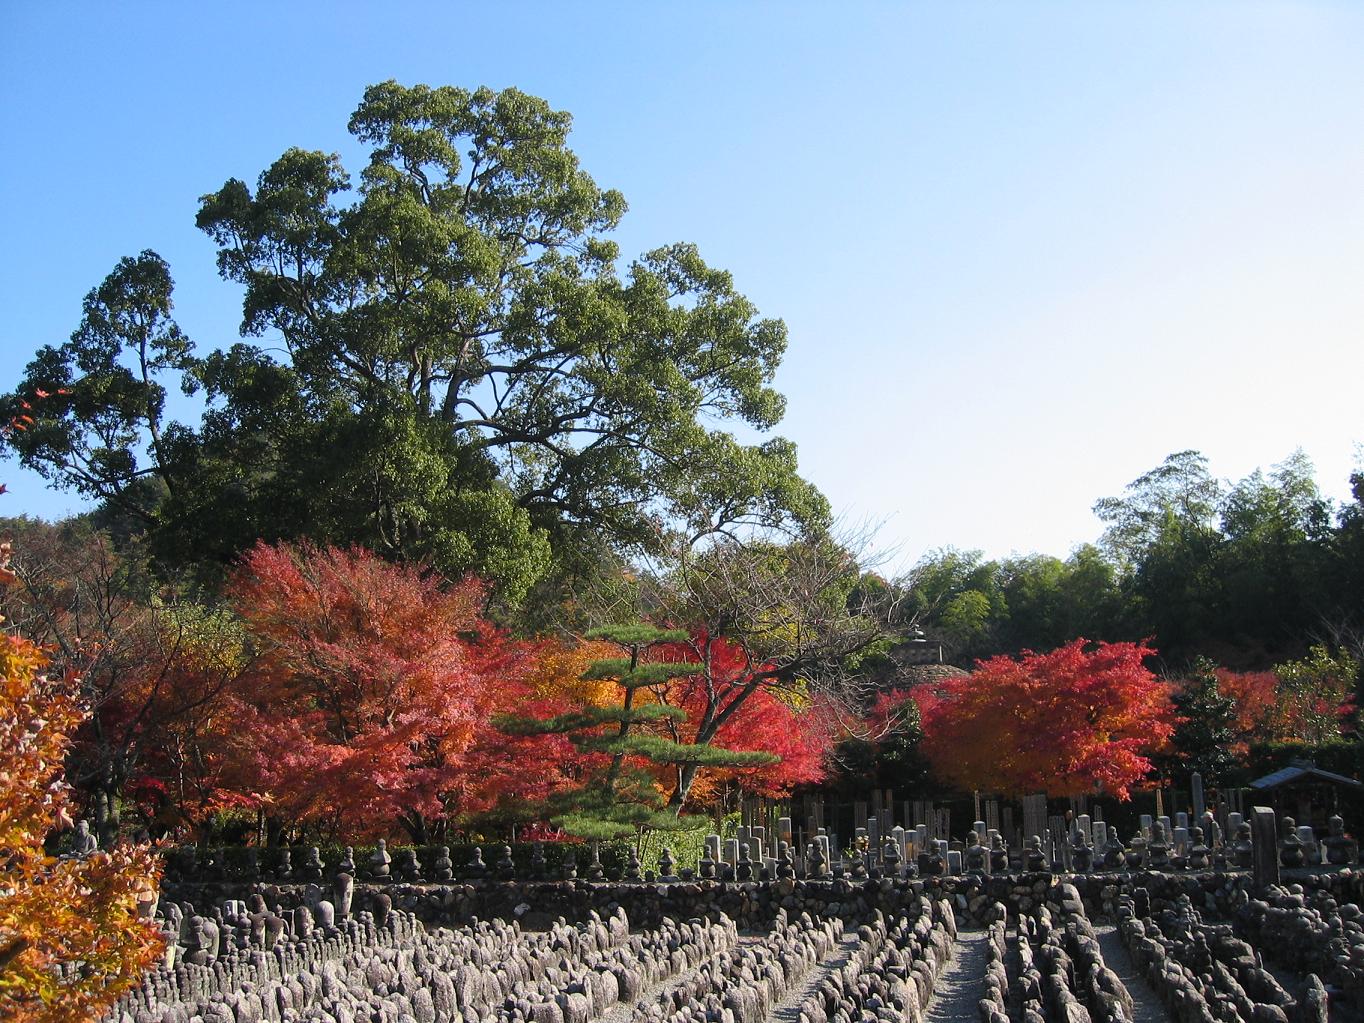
1306	793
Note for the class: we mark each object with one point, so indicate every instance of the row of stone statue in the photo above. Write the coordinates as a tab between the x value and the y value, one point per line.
1088	847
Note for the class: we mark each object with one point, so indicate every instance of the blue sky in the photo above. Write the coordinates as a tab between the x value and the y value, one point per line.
1024	251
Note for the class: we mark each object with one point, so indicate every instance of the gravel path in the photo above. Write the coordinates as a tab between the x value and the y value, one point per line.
956	997
1146	1007
788	1009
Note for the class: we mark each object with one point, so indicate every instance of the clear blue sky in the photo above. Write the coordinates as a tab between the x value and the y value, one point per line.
1024	250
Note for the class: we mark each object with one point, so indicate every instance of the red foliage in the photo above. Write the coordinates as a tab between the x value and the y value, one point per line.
1067	722
755	717
373	684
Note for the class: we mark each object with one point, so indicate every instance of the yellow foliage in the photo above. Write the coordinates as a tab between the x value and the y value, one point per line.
558	670
73	933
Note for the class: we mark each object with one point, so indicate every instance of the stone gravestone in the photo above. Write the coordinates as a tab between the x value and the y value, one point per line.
1199	806
1265	846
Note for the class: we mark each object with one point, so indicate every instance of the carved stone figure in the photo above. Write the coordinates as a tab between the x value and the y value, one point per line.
977	856
443	869
312	867
1034	859
999	854
380	862
1291	852
1340	848
83	842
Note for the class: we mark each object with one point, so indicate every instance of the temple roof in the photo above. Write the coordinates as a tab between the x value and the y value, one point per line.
1299	772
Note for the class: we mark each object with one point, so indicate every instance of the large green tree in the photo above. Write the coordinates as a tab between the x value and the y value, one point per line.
456	365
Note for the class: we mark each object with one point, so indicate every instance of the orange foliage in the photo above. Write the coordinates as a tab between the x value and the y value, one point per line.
1068	722
371	682
86	915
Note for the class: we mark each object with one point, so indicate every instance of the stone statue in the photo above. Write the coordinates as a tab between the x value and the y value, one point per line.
1034	859
786	863
570	865
1158	849
539	870
443	869
890	857
409	866
506	869
814	858
380	862
632	867
1114	854
999	854
313	866
347	864
1340	848
1081	853
977	856
1198	852
666	864
1291	853
83	842
477	869
284	870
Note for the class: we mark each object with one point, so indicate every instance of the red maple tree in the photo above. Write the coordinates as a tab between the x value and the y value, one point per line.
371	684
1076	720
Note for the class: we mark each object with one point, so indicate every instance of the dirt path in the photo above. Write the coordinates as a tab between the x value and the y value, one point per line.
1146	1006
962	981
788	1009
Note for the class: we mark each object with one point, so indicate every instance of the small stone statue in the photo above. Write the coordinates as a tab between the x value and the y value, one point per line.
83	842
1198	852
706	867
632	867
786	864
1158	849
1135	857
570	865
814	858
999	854
1340	848
977	856
380	862
666	863
312	867
347	864
1081	853
409	866
594	867
476	869
505	867
284	869
1243	847
890	857
743	870
1034	859
252	863
1114	854
1291	852
538	868
443	870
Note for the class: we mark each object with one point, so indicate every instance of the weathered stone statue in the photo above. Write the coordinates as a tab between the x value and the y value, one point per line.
977	856
409	867
1081	852
347	864
814	859
1340	848
890	857
1243	847
1114	855
706	867
505	867
539	869
570	865
594	867
443	869
1135	857
284	868
1291	853
743	870
1158	849
83	842
633	871
1034	859
999	854
1198	852
476	869
380	863
666	865
312	867
786	863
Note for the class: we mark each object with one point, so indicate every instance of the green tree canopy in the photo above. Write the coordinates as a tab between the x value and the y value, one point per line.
457	365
